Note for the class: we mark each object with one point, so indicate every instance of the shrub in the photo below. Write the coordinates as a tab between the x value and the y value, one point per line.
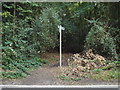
101	41
45	30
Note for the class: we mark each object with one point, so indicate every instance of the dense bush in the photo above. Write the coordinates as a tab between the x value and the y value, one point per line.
115	33
101	41
16	56
45	31
24	37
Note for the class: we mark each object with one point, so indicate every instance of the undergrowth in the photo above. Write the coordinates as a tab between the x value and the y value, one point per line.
20	68
106	73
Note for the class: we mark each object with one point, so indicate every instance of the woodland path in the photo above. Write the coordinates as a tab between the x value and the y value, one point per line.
45	75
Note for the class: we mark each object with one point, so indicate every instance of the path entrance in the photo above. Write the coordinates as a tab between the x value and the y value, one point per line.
46	75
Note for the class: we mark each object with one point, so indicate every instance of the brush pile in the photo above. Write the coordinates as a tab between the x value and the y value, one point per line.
81	63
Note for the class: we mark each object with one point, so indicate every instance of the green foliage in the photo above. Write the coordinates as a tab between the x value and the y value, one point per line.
75	26
100	41
115	33
106	75
19	68
108	72
43	61
45	32
30	28
77	9
20	30
97	70
13	75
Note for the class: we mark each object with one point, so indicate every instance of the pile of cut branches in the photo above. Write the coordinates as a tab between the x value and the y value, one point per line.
79	65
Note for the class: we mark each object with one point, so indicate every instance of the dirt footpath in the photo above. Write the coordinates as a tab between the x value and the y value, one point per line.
40	76
46	75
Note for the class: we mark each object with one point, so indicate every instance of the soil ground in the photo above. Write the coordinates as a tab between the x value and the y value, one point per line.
46	74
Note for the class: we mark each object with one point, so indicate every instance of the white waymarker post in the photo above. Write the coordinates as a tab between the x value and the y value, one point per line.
60	30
